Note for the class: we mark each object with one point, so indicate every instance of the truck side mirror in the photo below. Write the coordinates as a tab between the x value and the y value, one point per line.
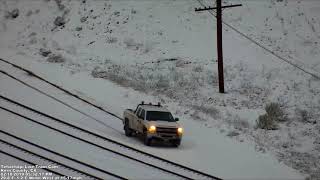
176	119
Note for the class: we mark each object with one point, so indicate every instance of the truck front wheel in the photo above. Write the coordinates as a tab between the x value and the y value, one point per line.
176	143
147	141
127	129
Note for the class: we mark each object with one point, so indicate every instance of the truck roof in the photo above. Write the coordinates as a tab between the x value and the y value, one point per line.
147	107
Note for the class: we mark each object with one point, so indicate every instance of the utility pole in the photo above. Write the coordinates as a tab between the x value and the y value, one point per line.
219	38
219	46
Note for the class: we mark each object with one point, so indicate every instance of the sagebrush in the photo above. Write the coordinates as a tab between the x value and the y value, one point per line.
274	114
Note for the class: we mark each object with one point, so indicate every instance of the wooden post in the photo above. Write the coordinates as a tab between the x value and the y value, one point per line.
219	38
219	47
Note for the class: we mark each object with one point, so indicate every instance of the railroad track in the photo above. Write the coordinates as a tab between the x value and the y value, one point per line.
60	88
130	152
62	170
101	142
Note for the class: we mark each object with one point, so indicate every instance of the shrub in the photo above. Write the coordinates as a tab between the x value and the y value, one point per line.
233	133
53	58
131	44
44	52
111	40
59	21
209	110
266	122
12	14
275	112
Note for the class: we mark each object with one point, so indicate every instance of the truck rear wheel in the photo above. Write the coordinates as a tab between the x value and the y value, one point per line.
127	129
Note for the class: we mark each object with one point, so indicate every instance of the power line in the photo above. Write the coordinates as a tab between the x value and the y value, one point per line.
263	47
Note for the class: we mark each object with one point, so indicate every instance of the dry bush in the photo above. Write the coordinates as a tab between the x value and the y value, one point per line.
305	116
111	40
266	122
209	110
131	44
275	112
44	52
54	58
12	14
59	21
237	122
167	80
197	69
233	133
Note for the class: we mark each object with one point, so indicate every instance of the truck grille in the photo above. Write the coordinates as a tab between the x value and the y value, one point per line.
170	131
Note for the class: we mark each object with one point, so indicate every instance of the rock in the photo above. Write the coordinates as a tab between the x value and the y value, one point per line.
59	21
53	58
44	52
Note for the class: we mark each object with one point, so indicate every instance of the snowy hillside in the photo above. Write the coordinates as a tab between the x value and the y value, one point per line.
118	53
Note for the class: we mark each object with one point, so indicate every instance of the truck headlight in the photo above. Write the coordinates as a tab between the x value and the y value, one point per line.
180	131
152	129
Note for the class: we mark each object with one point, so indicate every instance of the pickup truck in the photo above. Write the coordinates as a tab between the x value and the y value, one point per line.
153	122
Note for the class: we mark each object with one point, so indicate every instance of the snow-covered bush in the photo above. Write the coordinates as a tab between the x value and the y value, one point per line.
54	58
111	40
59	21
197	69
275	112
209	110
266	122
302	115
241	124
236	122
79	28
131	44
83	19
12	14
162	82
44	52
233	133
60	5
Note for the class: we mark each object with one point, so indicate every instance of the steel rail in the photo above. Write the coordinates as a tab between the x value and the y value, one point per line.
48	159
95	134
94	144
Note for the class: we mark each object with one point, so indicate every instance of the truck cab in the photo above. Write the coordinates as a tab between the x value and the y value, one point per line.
153	122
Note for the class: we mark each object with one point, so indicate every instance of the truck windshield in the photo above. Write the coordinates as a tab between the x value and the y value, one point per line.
159	116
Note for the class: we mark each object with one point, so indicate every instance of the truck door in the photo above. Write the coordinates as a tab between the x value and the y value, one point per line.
135	121
140	123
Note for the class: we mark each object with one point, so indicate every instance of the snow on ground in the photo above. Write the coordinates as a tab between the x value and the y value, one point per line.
220	156
79	150
166	52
